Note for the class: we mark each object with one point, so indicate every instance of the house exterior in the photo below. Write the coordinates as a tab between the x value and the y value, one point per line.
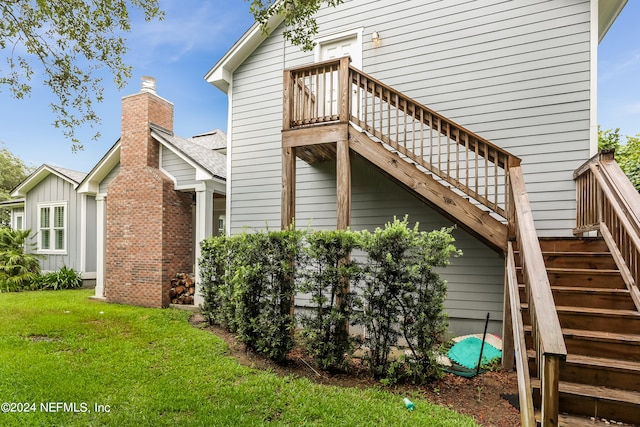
136	219
521	74
157	196
61	219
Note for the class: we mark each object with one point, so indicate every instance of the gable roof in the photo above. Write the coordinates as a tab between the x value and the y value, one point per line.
210	164
195	154
220	74
101	170
72	176
213	140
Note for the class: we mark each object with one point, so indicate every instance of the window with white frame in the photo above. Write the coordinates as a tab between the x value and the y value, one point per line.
18	221
52	227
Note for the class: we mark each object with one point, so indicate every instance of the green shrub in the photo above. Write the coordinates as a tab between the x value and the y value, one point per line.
65	278
328	276
249	286
249	281
402	296
18	267
265	284
217	287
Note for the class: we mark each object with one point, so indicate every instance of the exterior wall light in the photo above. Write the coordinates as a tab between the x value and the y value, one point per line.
375	39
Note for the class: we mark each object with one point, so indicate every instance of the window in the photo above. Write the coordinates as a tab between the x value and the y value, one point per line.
18	221
52	227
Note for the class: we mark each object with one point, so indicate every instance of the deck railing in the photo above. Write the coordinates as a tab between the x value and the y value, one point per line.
548	341
608	203
333	91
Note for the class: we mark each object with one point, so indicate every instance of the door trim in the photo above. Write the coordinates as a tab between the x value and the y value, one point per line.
356	57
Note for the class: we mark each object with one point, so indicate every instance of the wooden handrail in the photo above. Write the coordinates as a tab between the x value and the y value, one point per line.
527	413
609	203
547	335
340	92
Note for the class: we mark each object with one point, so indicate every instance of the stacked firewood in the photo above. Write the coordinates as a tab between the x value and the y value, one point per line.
183	287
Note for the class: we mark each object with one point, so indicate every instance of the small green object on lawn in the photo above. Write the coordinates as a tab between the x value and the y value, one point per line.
409	404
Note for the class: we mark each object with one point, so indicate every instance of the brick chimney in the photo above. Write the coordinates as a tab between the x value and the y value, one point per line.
148	230
138	111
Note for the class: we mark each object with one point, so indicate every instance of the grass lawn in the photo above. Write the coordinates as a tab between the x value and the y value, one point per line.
149	367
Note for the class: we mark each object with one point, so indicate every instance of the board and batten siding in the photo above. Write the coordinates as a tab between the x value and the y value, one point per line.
516	72
54	189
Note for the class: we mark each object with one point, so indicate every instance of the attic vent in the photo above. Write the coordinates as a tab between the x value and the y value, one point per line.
148	84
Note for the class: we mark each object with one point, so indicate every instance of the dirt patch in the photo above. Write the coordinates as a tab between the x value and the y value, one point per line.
41	338
480	397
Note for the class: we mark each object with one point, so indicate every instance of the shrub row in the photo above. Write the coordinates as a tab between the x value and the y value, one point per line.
392	291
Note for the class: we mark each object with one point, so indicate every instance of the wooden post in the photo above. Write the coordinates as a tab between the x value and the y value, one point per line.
507	326
343	184
287	100
344	88
288	202
288	205
549	389
343	189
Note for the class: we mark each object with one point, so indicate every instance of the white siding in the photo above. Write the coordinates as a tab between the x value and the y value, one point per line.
516	72
181	171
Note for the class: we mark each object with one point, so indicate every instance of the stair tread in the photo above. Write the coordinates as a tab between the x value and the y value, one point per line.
595	392
623	291
599	311
599	335
609	312
576	253
594	290
566	420
603	362
614	364
599	271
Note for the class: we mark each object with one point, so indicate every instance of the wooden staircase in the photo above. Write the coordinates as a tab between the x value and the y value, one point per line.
601	327
572	305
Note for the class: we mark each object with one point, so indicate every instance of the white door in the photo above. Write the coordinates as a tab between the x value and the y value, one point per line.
337	48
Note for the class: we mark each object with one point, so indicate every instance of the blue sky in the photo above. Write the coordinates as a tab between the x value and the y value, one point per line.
195	34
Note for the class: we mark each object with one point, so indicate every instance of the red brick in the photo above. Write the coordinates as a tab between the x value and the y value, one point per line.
149	224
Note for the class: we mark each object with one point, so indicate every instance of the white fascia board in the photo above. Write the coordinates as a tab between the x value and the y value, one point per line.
220	74
91	184
201	173
219	186
18	203
35	178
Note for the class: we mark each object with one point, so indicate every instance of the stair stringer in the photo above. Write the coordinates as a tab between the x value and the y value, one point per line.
461	211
